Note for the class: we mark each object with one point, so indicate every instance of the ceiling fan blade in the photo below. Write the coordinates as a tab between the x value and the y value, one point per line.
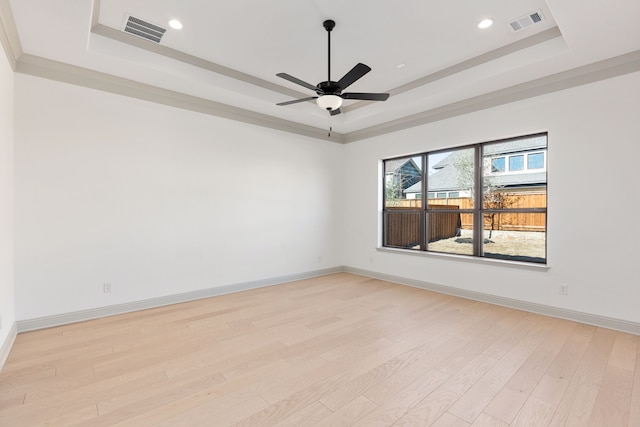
297	81
295	101
366	96
335	112
356	72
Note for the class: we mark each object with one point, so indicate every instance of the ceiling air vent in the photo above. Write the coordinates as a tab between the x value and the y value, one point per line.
526	20
144	29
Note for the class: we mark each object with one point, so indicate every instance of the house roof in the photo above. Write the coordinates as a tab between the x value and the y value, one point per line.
449	177
392	166
516	145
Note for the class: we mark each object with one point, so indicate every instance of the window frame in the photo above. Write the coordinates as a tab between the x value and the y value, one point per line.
478	211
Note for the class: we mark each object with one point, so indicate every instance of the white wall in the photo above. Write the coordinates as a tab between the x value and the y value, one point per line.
154	200
594	184
6	200
159	201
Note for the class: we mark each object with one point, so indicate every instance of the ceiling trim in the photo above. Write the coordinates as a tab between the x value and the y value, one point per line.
174	54
66	73
9	34
46	68
121	36
602	70
527	42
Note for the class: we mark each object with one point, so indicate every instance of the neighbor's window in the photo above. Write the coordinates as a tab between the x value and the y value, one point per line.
516	163
474	206
497	164
535	161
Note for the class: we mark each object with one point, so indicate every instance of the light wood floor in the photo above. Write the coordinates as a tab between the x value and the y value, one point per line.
339	350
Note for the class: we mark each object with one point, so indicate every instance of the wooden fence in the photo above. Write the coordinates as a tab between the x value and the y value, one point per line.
402	226
506	221
402	222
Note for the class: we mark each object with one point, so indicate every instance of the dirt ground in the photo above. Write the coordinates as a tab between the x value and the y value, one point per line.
513	245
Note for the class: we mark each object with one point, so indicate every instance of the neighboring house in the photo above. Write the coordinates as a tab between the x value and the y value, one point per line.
399	175
446	182
517	166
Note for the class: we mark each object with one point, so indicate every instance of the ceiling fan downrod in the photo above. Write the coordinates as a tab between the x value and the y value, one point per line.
328	25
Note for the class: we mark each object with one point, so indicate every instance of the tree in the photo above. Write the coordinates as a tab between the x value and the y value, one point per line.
494	196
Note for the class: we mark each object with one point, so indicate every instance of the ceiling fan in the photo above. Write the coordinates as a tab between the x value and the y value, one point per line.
329	93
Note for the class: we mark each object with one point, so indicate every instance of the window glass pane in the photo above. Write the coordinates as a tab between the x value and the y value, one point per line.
515	236
454	194
499	198
452	171
516	163
509	191
450	232
497	164
402	228
403	182
535	161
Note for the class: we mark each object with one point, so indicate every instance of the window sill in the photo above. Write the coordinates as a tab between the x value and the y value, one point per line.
467	259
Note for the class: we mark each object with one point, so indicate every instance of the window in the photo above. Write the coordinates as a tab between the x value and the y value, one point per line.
535	161
497	164
473	207
516	163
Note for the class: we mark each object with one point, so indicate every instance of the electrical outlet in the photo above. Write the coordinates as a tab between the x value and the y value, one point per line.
106	288
563	289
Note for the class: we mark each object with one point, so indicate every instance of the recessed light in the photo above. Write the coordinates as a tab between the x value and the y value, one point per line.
485	23
175	24
401	65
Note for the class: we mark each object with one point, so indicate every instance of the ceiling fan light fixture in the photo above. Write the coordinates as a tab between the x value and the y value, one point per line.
329	102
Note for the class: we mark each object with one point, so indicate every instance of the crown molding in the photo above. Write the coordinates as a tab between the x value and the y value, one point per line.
9	34
602	70
66	73
122	37
525	43
609	68
46	68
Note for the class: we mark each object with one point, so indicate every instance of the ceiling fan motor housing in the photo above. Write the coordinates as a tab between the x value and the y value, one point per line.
328	88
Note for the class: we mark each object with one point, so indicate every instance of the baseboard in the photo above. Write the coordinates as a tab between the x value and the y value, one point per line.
590	319
79	316
7	344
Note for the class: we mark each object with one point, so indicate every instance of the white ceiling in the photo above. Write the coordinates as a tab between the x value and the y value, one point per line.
235	48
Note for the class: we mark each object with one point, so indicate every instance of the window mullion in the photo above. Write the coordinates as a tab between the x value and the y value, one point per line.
478	205
424	216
